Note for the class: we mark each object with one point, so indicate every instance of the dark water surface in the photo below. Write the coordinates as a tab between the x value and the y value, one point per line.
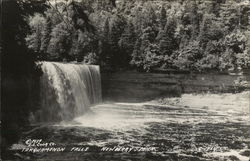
194	127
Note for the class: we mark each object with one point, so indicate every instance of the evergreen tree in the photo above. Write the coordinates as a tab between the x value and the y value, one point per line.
210	30
116	29
138	19
177	25
104	45
163	17
215	7
127	42
167	40
137	57
195	19
150	18
144	47
46	37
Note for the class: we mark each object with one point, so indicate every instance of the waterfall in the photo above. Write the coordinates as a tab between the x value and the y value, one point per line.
67	90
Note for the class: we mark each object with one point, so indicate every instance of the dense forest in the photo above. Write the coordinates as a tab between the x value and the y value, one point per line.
192	35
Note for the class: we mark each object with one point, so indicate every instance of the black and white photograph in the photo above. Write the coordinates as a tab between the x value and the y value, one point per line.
125	80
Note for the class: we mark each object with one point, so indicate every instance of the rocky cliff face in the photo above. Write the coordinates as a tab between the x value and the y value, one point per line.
134	86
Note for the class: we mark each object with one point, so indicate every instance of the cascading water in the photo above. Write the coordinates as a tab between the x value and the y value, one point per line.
67	91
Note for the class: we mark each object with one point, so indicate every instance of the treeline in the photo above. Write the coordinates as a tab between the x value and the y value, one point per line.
193	35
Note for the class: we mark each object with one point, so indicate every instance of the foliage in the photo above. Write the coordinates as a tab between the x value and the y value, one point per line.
187	57
191	35
91	58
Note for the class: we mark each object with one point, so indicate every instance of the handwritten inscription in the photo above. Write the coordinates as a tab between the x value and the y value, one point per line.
41	150
79	149
128	149
40	146
38	143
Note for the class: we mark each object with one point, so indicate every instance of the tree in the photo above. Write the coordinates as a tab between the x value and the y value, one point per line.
126	43
80	19
211	29
137	19
215	7
145	49
235	55
211	56
163	17
74	30
104	54
45	38
152	57
167	40
60	42
236	41
117	24
37	24
76	51
195	19
188	56
149	18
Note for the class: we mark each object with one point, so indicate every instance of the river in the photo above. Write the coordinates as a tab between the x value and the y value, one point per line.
192	127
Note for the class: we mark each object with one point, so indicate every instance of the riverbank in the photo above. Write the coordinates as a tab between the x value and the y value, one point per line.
133	86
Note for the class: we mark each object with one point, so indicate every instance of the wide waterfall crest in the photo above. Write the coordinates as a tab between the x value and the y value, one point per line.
68	90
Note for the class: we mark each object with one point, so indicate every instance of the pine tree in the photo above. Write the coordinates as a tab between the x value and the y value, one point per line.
214	7
149	17
144	47
163	18
195	19
167	40
105	49
137	57
116	29
127	42
138	19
